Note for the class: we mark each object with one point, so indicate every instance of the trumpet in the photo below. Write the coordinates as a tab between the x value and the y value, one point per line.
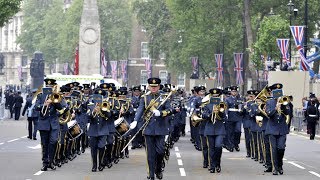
100	109
284	100
55	97
218	108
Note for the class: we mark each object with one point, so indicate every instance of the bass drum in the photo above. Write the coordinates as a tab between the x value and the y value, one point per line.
74	129
122	126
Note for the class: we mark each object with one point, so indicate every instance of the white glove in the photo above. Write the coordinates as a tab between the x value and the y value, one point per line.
133	125
156	112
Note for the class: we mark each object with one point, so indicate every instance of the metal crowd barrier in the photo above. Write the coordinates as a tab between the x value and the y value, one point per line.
298	123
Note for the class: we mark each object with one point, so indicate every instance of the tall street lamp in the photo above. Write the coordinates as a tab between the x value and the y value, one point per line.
291	8
305	46
223	63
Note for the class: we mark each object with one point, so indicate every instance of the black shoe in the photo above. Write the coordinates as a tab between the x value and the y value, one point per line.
151	178
78	152
94	169
109	165
159	175
34	138
218	169
183	134
59	164
29	137
261	161
248	156
230	149
237	148
205	166
269	169
212	170
44	168
140	146
275	172
83	150
51	166
100	168
127	155
280	171
133	147
256	159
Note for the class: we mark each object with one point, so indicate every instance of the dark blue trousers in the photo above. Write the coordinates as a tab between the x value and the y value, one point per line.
204	146
155	153
247	136
215	149
233	133
49	141
277	148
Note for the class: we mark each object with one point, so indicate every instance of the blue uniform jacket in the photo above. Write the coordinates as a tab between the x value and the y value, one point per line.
98	125
247	120
157	125
218	128
50	120
277	122
234	103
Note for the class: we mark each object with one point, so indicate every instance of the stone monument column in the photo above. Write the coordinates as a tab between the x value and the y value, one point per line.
89	42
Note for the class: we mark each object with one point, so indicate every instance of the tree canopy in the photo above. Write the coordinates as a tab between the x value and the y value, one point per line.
8	9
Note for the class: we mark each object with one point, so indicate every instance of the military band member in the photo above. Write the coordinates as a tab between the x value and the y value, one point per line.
312	115
48	126
32	116
98	131
277	128
247	122
156	129
135	100
214	113
233	123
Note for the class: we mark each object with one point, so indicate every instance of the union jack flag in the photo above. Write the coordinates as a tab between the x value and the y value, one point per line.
219	63
238	67
195	67
124	64
283	45
19	68
148	64
66	68
114	69
297	33
103	63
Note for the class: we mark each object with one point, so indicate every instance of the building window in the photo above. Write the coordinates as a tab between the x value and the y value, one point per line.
143	77
181	80
24	77
163	75
24	61
144	50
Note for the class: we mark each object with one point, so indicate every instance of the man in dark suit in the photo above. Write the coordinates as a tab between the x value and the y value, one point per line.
32	115
11	103
17	104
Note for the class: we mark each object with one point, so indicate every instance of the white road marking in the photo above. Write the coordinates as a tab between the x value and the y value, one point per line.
284	159
182	172
24	136
297	165
35	147
225	151
176	149
314	173
1	143
180	162
38	173
13	140
178	155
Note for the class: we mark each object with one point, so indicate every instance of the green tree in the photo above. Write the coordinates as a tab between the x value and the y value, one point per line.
116	27
8	9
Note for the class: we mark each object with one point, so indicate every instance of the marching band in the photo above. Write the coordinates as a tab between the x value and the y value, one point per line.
73	117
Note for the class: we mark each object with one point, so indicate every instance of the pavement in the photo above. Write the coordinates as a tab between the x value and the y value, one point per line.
21	160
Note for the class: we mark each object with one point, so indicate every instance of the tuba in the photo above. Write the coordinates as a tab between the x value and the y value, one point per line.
195	119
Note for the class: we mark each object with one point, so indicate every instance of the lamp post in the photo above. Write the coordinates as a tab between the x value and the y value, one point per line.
291	8
223	63
305	45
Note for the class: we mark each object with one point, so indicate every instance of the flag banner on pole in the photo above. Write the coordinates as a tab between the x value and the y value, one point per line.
283	45
297	33
124	64
19	68
76	61
148	64
219	66
103	63
195	68
66	68
238	67
114	69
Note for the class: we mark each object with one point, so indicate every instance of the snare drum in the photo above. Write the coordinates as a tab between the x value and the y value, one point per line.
122	126
74	130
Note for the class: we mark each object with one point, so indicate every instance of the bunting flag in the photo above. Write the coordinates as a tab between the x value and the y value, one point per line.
219	65
114	69
124	64
238	67
66	68
283	45
195	68
297	33
103	63
148	64
76	61
19	69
